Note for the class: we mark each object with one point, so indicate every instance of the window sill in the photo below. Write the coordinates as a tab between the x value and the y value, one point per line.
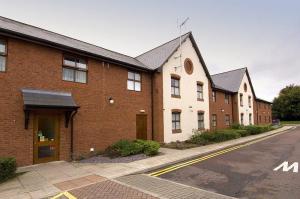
176	131
199	99
176	96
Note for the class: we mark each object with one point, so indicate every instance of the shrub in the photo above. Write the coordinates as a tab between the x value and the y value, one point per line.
210	137
198	138
8	168
236	126
253	130
150	147
126	147
243	133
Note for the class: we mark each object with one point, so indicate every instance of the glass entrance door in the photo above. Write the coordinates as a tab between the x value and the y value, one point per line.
46	137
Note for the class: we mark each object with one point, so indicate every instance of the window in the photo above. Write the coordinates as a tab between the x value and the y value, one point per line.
134	81
242	118
241	99
214	99
188	66
199	91
227	120
3	54
175	87
214	120
74	69
176	122
200	120
260	119
245	87
250	118
226	99
249	101
265	119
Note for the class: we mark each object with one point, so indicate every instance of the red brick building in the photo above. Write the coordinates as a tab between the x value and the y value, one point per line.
233	101
61	97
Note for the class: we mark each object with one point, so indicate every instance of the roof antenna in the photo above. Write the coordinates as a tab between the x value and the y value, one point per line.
180	40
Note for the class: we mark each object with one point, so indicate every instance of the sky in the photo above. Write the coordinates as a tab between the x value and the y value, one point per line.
262	35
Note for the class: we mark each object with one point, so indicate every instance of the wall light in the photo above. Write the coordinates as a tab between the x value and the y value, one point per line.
111	100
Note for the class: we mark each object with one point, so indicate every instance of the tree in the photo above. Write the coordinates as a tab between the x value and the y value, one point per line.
287	105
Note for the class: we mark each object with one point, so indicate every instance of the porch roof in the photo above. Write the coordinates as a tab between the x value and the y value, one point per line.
47	99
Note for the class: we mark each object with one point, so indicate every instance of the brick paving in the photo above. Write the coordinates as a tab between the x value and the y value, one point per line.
79	182
109	189
168	189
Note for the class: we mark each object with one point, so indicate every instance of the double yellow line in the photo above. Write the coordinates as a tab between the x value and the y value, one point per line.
184	164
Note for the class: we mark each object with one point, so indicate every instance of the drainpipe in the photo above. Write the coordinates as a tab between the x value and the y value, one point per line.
152	107
72	129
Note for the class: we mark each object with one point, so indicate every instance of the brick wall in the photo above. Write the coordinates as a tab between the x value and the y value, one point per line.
97	123
263	113
220	108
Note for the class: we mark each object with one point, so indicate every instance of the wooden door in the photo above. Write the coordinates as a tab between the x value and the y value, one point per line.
141	126
46	138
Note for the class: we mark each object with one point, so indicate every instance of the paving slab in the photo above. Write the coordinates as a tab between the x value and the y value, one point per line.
167	189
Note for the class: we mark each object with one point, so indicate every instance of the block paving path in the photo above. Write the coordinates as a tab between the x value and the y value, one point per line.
109	189
167	189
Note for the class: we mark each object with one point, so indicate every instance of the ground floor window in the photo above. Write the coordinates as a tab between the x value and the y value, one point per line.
214	120
242	118
176	127
227	120
200	120
250	118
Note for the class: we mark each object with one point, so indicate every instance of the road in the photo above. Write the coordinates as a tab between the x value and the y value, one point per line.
248	172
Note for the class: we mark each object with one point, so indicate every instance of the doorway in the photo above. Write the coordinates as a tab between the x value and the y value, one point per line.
46	138
141	126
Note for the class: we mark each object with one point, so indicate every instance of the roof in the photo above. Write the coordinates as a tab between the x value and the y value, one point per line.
47	99
230	80
22	29
262	100
158	56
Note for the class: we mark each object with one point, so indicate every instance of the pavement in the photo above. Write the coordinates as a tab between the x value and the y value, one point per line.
48	179
248	171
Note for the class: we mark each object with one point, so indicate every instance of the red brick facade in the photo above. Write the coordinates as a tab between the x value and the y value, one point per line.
220	108
97	123
263	112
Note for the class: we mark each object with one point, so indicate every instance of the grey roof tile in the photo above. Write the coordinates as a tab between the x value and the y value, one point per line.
230	80
156	57
32	97
32	31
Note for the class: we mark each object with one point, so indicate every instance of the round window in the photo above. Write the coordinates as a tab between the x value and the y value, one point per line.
245	87
188	66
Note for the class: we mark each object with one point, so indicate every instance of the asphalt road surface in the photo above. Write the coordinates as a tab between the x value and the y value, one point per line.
248	172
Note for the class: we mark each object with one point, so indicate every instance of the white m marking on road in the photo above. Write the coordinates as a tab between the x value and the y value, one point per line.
285	167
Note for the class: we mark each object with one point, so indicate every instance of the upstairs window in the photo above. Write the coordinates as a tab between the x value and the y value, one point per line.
175	87
3	54
227	120
74	69
214	99
200	91
134	81
249	101
241	99
176	122
200	120
226	99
